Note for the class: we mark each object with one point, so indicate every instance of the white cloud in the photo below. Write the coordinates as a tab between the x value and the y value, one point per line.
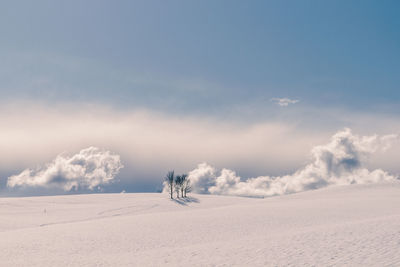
340	162
151	143
284	102
90	168
202	178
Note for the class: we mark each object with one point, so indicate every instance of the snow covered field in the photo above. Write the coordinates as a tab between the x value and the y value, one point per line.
357	225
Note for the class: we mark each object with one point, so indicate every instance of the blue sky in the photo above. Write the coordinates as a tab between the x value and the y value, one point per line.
195	55
206	60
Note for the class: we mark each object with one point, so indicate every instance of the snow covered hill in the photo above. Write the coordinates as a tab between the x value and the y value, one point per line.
357	225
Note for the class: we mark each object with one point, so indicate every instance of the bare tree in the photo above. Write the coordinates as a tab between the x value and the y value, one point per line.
169	179
178	185
183	182
187	188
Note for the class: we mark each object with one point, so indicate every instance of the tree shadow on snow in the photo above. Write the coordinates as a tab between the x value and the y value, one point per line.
185	201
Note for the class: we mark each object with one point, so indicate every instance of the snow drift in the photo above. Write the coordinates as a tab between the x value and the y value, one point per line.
340	162
90	168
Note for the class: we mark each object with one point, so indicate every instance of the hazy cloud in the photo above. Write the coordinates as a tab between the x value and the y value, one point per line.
284	102
340	162
152	143
90	168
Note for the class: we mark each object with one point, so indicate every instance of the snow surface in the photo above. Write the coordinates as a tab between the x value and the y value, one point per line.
357	225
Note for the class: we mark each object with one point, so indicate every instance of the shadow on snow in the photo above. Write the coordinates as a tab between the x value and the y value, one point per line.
185	201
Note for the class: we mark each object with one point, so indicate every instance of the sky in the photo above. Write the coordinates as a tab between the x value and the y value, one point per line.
250	86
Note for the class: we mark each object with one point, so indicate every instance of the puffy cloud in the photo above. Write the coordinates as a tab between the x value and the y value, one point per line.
284	102
152	143
202	178
90	168
340	162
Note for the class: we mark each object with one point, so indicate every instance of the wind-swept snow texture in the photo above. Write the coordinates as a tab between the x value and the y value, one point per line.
355	225
340	162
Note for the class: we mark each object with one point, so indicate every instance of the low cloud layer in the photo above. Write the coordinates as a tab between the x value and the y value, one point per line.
340	162
150	143
89	169
284	102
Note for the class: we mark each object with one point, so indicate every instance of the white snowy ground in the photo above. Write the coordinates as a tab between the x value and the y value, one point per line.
356	225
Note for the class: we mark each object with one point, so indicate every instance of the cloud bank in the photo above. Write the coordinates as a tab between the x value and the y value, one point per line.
90	168
152	143
340	162
284	102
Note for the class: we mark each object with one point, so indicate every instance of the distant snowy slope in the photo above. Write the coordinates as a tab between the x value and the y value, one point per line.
357	225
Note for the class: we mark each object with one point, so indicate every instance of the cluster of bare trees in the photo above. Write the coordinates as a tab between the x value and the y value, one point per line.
180	184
